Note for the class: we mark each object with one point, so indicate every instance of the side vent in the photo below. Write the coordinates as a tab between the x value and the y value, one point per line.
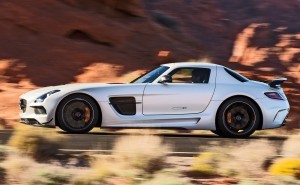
124	105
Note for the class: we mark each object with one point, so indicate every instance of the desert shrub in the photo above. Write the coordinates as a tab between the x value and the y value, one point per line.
3	153
205	164
166	179
147	152
35	142
87	180
289	149
24	169
90	179
250	182
101	170
247	160
2	175
286	180
134	159
16	164
166	21
48	176
270	181
286	167
4	124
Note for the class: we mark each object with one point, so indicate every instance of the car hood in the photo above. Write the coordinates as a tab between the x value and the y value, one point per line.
65	88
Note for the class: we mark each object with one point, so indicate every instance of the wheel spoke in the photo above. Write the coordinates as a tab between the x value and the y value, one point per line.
239	117
77	114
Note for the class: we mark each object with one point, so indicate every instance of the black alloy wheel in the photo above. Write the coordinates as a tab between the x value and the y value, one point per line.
238	117
77	114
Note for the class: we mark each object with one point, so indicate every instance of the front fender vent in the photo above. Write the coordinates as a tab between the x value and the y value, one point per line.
124	105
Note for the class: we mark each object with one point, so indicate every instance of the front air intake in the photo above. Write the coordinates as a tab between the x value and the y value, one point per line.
23	104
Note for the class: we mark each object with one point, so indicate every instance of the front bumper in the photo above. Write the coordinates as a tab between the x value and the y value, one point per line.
274	112
36	114
34	122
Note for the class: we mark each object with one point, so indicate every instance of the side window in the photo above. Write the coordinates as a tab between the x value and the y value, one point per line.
190	75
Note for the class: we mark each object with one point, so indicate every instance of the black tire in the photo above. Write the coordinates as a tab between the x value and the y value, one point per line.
237	118
216	132
77	114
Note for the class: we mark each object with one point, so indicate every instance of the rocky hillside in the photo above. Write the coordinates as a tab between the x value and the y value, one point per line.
49	42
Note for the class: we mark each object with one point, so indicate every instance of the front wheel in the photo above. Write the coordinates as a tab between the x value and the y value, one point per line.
216	132
238	118
77	114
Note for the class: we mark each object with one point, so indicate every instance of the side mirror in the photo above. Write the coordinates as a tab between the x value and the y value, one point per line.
165	79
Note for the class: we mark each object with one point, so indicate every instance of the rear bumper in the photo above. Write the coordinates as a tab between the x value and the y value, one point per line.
274	112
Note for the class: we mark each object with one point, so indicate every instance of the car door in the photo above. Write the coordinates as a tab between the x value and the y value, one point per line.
185	95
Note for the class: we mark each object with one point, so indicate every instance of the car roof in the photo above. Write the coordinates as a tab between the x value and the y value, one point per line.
190	64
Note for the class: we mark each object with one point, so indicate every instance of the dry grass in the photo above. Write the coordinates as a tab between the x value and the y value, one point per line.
277	132
35	142
2	175
166	179
100	171
269	181
134	159
20	169
290	148
205	164
289	165
47	176
3	153
142	152
16	164
103	169
247	160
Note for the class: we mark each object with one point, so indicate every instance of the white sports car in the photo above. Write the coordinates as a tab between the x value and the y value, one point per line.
176	95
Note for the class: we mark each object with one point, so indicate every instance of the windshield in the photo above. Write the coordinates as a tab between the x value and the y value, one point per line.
151	75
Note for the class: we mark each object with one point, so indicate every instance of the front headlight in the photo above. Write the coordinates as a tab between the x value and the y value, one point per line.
44	96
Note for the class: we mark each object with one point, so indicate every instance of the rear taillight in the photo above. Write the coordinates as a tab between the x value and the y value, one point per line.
274	95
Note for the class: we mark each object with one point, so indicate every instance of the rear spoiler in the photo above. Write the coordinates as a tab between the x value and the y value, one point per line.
277	82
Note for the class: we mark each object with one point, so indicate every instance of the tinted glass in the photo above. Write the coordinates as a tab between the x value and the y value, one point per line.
236	75
190	75
151	76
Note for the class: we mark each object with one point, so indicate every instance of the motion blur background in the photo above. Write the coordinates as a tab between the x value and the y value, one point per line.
51	42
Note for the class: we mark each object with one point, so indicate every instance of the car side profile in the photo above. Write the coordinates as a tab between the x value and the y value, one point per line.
187	95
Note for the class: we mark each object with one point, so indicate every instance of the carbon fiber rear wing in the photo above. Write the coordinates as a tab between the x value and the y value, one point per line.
276	82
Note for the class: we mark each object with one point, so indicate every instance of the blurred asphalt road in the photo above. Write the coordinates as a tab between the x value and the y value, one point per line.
182	144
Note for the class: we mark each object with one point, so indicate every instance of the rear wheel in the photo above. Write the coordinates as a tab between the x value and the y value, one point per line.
77	114
237	117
